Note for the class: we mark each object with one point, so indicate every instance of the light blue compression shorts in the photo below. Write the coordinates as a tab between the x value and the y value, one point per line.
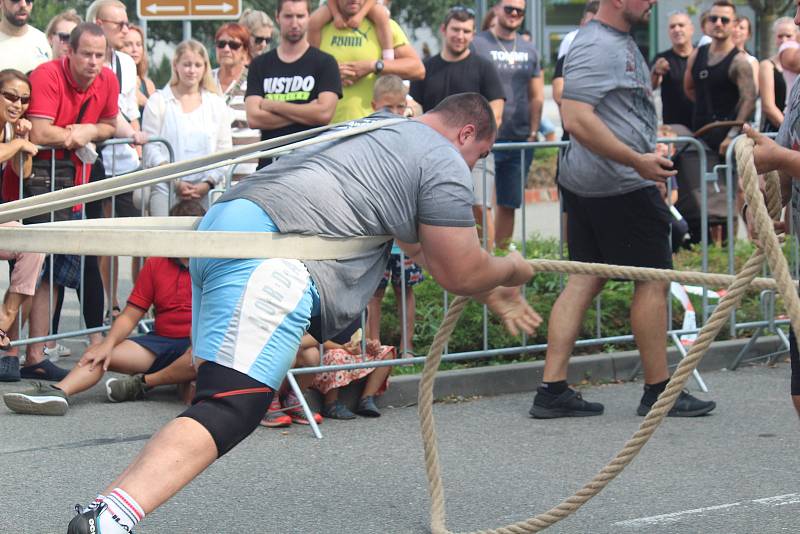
249	315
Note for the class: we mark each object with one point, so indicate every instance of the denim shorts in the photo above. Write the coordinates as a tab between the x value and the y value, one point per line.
166	349
509	178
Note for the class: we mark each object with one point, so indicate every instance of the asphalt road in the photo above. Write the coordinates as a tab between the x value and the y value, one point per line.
734	471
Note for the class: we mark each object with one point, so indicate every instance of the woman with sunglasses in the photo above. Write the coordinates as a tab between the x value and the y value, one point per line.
16	152
134	47
260	27
193	118
233	55
58	30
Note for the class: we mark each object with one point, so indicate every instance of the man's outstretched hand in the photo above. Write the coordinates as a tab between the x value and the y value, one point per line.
512	308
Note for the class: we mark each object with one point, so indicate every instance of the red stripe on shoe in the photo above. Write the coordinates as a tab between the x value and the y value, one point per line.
241	392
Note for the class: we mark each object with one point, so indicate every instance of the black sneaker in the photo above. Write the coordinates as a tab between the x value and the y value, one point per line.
88	522
568	404
685	406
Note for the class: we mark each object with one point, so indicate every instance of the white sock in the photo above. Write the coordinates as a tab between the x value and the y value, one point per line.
123	512
388	54
96	502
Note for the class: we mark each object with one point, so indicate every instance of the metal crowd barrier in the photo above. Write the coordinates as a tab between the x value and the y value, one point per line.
82	329
768	322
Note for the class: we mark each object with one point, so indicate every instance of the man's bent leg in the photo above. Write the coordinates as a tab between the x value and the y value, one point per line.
565	322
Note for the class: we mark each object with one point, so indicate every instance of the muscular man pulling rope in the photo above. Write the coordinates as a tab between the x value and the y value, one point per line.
411	180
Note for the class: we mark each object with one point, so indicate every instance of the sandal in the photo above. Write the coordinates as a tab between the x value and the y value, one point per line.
3	335
45	370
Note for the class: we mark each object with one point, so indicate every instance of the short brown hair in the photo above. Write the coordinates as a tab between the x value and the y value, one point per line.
84	27
724	3
237	31
187	208
13	74
468	108
281	2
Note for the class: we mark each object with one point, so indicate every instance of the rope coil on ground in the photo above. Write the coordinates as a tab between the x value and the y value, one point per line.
768	246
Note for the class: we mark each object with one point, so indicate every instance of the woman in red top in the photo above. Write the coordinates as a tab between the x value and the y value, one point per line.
157	358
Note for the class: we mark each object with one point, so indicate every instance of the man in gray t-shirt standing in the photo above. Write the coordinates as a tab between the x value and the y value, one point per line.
519	67
249	314
615	213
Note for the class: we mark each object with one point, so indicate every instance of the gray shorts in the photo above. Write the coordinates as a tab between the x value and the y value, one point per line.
478	185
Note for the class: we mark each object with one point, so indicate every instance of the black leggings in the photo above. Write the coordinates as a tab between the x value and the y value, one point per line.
794	357
93	296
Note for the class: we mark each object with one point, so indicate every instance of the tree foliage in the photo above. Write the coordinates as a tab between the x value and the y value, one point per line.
767	12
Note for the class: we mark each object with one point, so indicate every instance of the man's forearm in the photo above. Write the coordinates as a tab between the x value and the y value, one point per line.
266	120
314	113
536	107
48	134
592	133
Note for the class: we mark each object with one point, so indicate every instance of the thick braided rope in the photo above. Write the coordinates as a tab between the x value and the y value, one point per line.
742	283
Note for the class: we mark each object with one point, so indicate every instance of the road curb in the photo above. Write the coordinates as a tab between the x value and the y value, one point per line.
525	377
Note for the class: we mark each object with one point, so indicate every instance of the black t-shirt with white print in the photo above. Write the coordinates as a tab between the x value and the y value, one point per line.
299	82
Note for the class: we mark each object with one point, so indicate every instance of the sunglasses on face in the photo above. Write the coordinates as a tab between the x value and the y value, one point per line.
63	37
714	18
511	10
260	40
119	25
11	97
233	45
29	2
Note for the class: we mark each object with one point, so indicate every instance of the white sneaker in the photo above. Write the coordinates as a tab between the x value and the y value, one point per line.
59	351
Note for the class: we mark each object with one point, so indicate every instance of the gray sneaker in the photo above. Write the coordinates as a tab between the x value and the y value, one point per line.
42	399
130	388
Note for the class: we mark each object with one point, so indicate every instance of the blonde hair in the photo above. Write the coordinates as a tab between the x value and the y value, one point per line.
69	15
207	82
389	84
97	6
253	19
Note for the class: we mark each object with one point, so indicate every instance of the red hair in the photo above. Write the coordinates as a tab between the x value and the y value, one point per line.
237	31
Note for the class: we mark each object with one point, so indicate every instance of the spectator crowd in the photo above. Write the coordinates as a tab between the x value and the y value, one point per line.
81	86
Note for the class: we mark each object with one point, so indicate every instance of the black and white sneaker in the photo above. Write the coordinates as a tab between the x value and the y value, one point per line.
568	404
686	406
87	521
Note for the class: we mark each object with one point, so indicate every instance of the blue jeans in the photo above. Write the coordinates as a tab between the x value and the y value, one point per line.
509	177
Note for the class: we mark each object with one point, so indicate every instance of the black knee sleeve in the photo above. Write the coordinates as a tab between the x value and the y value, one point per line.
229	404
794	357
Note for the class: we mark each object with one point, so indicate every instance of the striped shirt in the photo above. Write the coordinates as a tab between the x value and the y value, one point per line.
242	135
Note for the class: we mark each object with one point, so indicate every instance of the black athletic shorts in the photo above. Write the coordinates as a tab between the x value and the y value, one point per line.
630	229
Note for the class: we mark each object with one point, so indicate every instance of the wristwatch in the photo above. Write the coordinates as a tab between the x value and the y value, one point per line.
379	66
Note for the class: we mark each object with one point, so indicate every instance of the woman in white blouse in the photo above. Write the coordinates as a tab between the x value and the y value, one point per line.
190	114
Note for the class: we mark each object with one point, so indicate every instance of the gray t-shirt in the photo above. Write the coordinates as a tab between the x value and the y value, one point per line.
383	182
605	69
516	61
789	137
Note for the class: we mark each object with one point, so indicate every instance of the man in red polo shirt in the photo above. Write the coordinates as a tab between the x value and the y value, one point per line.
61	88
157	358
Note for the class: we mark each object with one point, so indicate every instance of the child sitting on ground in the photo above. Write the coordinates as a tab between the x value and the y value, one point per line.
371	9
157	358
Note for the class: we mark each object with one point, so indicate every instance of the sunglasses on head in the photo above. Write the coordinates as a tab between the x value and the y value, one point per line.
11	97
233	45
511	10
714	18
63	37
262	40
462	9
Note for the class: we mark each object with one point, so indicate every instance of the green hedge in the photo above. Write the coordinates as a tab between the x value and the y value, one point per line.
542	292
